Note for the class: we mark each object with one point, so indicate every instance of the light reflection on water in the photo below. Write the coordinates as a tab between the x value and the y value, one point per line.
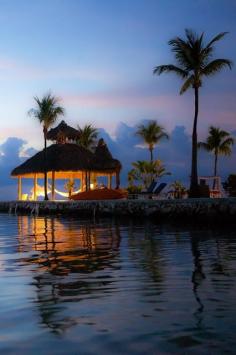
80	287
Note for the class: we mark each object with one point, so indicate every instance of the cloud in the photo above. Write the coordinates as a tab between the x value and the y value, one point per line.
175	153
11	152
19	69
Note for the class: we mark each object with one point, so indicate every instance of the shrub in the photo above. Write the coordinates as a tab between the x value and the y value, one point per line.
230	185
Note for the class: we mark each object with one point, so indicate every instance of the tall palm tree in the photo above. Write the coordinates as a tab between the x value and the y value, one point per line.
151	134
194	62
87	136
47	111
219	142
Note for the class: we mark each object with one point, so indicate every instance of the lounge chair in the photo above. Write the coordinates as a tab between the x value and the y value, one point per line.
150	189
159	188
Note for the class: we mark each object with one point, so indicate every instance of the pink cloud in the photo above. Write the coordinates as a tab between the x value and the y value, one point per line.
129	100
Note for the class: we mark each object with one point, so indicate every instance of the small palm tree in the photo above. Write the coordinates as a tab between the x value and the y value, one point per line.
219	142
47	111
145	171
151	134
179	189
87	136
194	62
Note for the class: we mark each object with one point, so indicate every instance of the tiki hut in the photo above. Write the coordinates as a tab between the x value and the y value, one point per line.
104	162
68	161
63	133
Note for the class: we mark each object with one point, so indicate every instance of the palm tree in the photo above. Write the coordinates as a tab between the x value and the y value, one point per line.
194	63
87	136
179	189
152	133
145	171
219	142
47	111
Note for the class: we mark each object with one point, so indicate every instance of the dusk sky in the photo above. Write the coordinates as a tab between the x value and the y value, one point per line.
98	57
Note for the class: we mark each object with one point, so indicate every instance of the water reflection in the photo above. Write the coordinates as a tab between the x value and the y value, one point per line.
65	253
197	277
115	287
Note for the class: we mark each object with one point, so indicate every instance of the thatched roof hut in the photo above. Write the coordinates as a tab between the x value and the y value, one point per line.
62	133
61	158
69	161
103	160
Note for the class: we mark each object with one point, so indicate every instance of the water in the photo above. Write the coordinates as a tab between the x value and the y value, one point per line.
70	286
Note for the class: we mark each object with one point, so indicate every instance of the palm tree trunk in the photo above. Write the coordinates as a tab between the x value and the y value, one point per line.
215	169
151	160
151	154
194	191
45	166
215	165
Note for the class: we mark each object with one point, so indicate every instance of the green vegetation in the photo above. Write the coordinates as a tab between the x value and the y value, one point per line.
194	62
179	189
219	142
47	111
87	136
151	134
69	186
145	172
230	185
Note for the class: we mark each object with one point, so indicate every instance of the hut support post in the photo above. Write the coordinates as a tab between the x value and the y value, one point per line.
109	181
117	179
86	181
53	185
19	188
89	180
93	179
35	187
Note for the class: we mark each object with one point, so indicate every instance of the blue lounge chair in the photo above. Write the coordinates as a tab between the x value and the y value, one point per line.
159	188
151	188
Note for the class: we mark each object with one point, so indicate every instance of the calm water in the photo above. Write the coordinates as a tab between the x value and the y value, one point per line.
71	286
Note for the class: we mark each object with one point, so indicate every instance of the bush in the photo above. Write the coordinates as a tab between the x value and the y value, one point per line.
133	189
230	185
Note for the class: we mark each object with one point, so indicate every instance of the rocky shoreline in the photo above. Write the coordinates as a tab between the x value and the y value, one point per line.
204	209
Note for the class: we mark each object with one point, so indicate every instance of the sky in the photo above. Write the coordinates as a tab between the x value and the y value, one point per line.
98	57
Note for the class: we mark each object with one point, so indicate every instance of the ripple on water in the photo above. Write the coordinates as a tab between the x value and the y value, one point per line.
115	287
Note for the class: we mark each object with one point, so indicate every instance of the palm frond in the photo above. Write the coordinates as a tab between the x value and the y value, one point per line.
216	38
47	110
204	145
187	84
191	36
215	66
87	136
226	147
170	68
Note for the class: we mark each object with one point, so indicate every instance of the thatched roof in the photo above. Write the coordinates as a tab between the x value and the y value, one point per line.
103	159
60	157
63	130
70	157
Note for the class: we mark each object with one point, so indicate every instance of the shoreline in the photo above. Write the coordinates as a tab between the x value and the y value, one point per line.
185	210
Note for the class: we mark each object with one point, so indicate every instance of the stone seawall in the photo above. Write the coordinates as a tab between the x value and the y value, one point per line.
185	210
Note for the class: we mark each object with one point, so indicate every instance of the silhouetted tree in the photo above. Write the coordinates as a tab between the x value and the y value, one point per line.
194	63
151	134
219	142
47	111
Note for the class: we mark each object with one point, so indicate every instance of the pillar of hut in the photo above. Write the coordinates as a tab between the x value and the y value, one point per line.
89	180
19	188
93	179
110	181
35	187
53	186
85	181
117	179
